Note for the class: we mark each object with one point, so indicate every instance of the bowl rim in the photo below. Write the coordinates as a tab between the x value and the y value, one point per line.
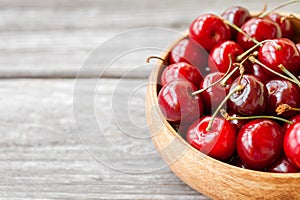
154	77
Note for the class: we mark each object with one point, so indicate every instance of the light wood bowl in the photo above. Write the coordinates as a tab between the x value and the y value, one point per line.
209	176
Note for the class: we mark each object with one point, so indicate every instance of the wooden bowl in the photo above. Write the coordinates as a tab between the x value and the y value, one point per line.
209	176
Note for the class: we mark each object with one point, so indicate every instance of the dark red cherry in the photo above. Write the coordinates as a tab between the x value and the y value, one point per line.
177	103
208	30
219	56
294	119
251	100
283	165
258	72
285	25
259	143
236	161
281	91
189	51
181	70
280	51
237	15
218	143
213	96
291	144
259	29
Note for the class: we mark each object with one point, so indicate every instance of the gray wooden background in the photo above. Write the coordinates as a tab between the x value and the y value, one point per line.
43	46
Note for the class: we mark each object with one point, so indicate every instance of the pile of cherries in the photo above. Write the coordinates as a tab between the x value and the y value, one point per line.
231	88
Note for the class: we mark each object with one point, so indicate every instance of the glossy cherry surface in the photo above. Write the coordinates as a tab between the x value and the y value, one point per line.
219	56
259	29
259	143
208	30
251	100
177	103
283	165
189	51
218	143
291	144
281	91
213	96
181	70
280	51
258	72
236	15
294	119
285	25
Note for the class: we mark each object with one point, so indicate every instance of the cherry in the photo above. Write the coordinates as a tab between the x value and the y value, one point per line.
219	56
238	124
258	72
251	100
259	143
291	143
283	165
294	119
208	30
177	103
236	15
214	95
281	91
181	70
236	161
298	47
260	29
280	51
219	142
285	25
189	51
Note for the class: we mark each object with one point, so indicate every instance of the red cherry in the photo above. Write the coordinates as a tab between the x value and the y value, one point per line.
251	100
208	30
259	143
259	29
236	15
283	165
285	25
189	51
280	51
213	96
219	56
238	124
181	70
298	47
236	161
258	72
294	119
177	103
218	143
291	144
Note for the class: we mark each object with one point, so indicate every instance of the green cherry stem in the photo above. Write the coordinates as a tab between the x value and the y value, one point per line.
236	89
254	60
228	117
278	7
287	72
284	108
156	57
218	81
240	30
240	57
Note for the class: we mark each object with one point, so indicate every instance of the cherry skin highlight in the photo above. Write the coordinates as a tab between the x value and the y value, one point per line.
291	144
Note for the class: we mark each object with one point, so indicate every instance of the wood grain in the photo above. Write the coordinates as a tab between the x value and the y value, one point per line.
54	38
42	157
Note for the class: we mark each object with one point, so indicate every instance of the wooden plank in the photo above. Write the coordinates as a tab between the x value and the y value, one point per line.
42	157
53	38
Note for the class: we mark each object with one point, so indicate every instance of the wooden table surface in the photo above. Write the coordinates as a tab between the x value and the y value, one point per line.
64	137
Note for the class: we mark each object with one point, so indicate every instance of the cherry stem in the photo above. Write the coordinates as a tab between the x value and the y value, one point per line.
240	57
156	57
262	11
228	117
254	60
278	7
284	108
225	79
236	89
238	29
287	72
218	81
